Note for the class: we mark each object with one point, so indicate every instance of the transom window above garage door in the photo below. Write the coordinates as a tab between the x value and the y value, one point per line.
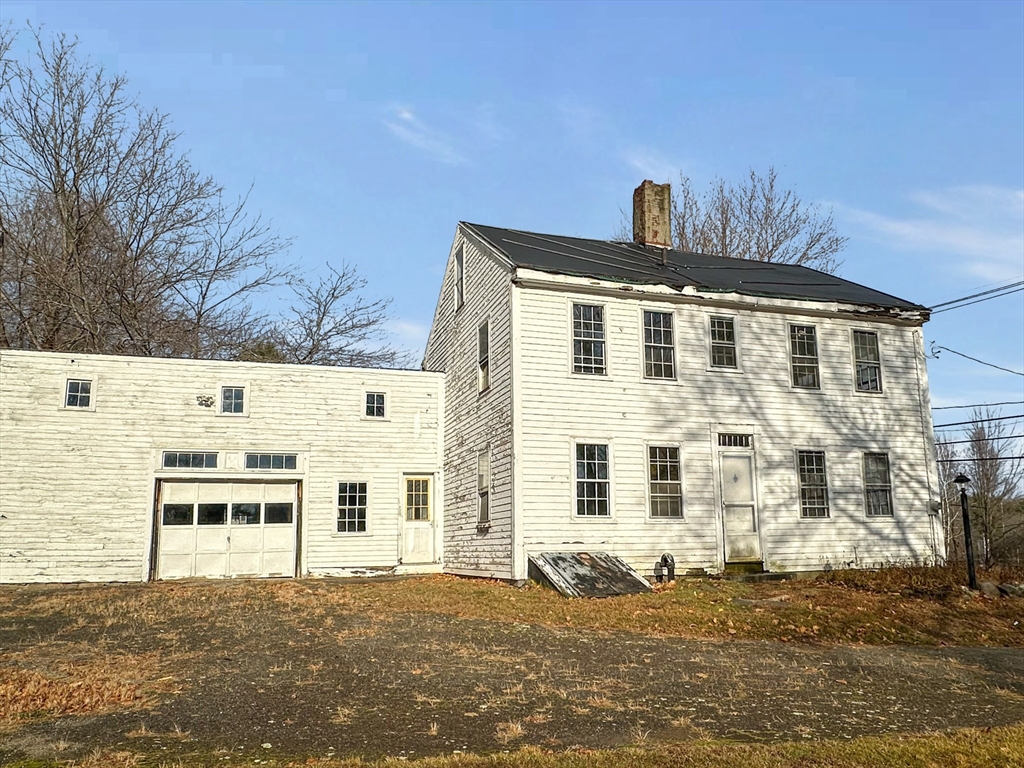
270	460
189	460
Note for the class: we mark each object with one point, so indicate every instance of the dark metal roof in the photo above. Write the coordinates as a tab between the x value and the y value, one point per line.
642	265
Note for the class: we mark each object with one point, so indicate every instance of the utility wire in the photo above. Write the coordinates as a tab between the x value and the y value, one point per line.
1017	285
978	301
996	283
990	365
975	405
978	421
968	461
990	438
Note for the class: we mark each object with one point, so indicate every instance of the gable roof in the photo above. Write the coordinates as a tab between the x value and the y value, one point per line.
642	265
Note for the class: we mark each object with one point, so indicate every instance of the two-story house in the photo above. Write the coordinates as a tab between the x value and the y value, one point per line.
632	399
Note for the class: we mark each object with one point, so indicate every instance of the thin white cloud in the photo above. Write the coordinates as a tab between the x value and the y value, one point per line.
408	128
981	226
409	335
651	164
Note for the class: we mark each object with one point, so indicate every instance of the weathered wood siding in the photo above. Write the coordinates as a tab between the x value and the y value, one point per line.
474	419
628	412
77	487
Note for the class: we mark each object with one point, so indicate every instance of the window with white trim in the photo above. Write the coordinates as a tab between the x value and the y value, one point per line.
460	278
813	484
483	348
483	486
803	345
723	342
271	460
867	361
351	507
665	481
78	393
877	485
232	400
189	460
375	405
659	347
592	484
588	339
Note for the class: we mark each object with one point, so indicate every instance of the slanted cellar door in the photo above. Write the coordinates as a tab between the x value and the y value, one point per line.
226	529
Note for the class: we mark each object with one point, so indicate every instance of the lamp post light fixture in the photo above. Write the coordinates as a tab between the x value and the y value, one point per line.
961	481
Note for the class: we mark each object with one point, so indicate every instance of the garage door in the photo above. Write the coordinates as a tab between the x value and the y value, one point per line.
226	529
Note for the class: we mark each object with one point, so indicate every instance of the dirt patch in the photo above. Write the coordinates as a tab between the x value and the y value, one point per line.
324	668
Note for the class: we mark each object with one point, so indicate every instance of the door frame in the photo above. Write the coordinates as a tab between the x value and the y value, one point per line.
736	429
154	547
432	499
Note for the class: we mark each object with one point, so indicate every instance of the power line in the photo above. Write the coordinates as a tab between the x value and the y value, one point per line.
968	461
977	288
980	293
975	405
990	438
978	421
978	301
990	365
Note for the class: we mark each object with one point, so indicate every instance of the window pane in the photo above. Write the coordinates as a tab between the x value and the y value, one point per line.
277	512
289	461
177	514
170	460
245	514
213	514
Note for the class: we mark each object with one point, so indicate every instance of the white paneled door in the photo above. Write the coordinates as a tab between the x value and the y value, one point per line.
418	521
739	508
225	529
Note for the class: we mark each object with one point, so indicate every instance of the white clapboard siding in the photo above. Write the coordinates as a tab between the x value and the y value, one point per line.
629	413
77	487
474	420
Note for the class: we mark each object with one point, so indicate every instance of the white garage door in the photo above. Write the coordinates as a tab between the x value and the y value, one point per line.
226	529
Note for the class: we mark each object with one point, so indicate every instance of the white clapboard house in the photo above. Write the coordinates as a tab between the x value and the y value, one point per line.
128	468
578	396
630	399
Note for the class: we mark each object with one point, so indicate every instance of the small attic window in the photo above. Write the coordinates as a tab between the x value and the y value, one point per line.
460	279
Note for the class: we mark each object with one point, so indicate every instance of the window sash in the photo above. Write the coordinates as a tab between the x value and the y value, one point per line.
813	481
417	499
588	339
189	460
352	507
232	400
78	393
460	278
659	346
665	481
877	485
867	360
375	405
592	485
483	356
483	486
723	342
803	341
271	460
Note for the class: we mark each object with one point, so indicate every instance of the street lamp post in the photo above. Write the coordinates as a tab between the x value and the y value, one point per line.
961	481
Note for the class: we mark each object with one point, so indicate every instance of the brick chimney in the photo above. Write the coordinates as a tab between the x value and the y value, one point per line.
652	214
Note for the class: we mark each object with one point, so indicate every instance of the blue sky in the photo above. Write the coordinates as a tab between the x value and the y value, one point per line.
369	130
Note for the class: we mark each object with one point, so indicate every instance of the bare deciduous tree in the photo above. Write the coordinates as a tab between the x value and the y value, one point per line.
112	242
755	219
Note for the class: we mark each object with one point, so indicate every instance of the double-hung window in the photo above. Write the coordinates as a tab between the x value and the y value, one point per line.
666	486
483	347
803	347
813	484
592	483
723	343
588	339
78	393
483	486
659	349
867	361
351	507
877	485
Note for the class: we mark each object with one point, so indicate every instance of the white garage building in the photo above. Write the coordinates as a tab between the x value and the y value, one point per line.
126	469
